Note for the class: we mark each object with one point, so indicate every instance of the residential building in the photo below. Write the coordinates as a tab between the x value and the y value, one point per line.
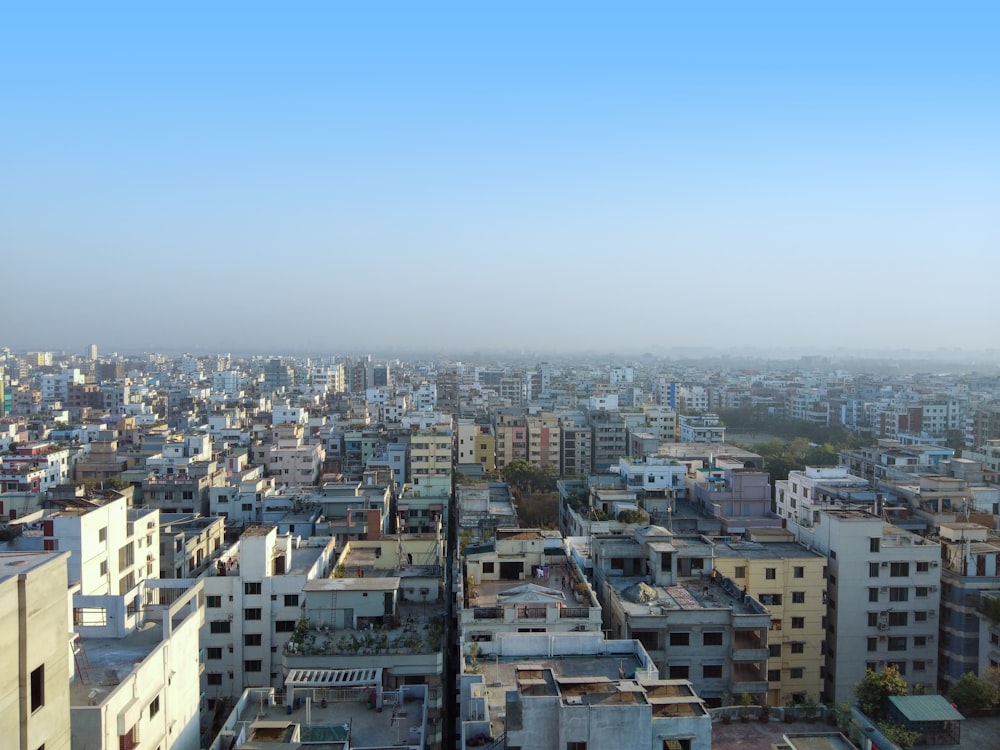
659	589
970	555
701	428
483	507
789	580
253	600
882	591
34	710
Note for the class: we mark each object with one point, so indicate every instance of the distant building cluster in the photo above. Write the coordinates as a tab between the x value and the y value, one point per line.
295	552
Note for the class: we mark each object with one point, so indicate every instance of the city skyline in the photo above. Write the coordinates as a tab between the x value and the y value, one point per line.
565	178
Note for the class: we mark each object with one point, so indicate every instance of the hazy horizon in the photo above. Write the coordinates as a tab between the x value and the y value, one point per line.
557	177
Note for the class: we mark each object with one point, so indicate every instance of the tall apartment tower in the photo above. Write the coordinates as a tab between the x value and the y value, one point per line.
882	599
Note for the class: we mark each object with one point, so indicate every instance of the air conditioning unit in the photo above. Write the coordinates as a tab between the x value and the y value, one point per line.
934	564
933	588
885	565
884	589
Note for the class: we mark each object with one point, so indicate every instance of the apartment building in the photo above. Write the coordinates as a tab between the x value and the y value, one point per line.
970	555
138	666
659	589
431	452
34	709
883	598
545	442
788	579
610	438
578	691
701	428
253	601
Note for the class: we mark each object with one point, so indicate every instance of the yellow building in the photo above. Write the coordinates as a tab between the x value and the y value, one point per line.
787	578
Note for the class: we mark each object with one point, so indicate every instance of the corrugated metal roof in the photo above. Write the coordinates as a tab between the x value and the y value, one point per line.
925	708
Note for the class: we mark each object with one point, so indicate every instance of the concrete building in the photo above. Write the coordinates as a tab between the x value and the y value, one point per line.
658	589
701	428
523	582
188	542
545	442
253	600
610	440
800	498
112	549
483	507
740	498
577	458
970	555
35	702
788	579
577	691
431	452
882	591
138	668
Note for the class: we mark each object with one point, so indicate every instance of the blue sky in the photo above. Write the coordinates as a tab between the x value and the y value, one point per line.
550	176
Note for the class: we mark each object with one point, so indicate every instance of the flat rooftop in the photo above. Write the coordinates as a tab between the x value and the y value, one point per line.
15	563
338	725
638	597
764	551
111	660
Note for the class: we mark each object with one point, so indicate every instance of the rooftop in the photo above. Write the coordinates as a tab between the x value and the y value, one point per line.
111	660
334	714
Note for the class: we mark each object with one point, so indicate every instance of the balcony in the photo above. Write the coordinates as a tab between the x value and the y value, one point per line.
748	647
748	679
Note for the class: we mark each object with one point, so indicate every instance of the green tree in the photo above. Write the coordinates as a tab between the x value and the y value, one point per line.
899	735
875	689
972	694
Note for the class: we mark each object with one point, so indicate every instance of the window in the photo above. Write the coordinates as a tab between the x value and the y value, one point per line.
774	675
798	623
774	650
37	688
798	647
679	672
251	588
797	673
711	671
873	594
252	665
899	570
920	591
213	601
213	653
154	707
291	600
898	618
252	613
284	626
711	639
251	639
897	643
648	638
798	572
102	534
576	746
740	571
899	594
874	544
923	567
873	570
919	666
213	678
104	567
220	626
899	665
920	617
798	597
872	644
919	640
680	638
770	573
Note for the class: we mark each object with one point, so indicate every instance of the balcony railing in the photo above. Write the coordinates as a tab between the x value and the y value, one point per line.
488	613
575	612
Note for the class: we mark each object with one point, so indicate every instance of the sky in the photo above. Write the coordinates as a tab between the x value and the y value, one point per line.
555	176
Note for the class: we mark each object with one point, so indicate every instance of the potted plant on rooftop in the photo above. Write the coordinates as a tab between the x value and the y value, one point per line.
745	701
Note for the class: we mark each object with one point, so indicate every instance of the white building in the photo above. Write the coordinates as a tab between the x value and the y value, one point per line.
882	599
253	599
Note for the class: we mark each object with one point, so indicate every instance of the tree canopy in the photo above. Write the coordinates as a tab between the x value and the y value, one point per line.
875	689
527	477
